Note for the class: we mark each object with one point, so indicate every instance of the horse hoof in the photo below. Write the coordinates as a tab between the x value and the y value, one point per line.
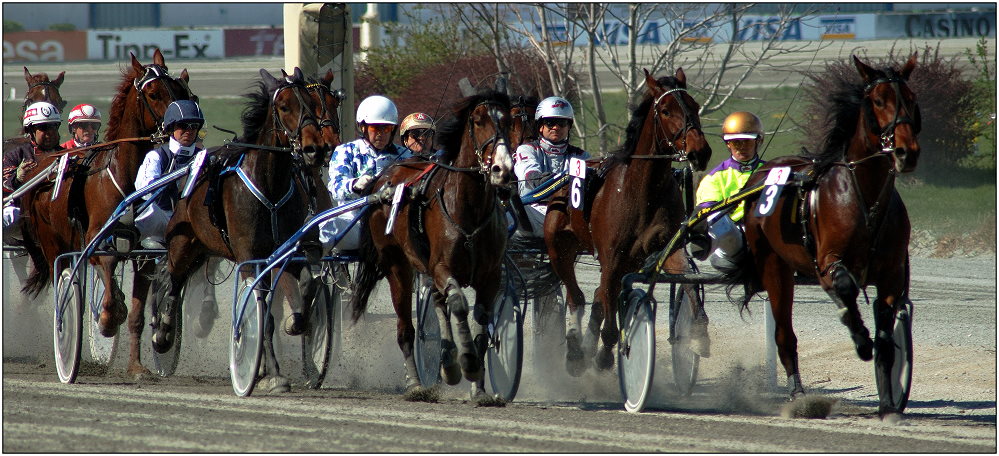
865	349
275	385
892	418
206	319
417	393
140	373
294	324
482	399
450	371
107	325
471	366
162	339
605	358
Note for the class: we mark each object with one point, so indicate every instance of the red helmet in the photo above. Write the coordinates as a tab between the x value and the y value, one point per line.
84	113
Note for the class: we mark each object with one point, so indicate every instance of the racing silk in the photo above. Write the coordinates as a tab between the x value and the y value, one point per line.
72	144
539	157
726	180
13	158
355	159
160	161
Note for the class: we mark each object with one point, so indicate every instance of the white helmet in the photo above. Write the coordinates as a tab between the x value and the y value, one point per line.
377	109
84	113
41	112
556	107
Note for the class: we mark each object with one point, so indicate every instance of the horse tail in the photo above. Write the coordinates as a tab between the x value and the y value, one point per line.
368	273
41	271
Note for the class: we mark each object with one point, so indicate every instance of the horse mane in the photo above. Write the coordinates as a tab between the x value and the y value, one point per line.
638	116
118	104
452	130
254	116
839	104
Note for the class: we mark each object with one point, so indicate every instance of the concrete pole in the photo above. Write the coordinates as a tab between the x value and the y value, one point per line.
370	33
292	36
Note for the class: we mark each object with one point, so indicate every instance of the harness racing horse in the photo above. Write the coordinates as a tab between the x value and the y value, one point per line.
523	128
40	88
93	188
450	228
846	224
632	215
251	209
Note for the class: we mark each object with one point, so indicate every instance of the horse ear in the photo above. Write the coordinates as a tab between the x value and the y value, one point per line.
136	65
183	75
909	66
58	80
328	79
298	74
681	78
650	82
864	70
27	75
269	80
158	58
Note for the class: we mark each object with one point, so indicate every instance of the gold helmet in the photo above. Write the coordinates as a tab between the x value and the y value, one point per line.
742	125
414	121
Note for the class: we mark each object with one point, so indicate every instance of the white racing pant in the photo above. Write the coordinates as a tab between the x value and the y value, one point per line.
536	214
11	222
152	222
329	229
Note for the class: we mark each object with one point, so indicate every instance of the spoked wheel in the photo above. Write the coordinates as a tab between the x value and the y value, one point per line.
427	352
67	328
505	355
317	336
636	353
247	339
548	333
165	364
102	349
685	361
896	388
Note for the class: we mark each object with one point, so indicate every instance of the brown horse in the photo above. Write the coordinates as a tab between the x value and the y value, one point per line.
522	128
40	88
633	214
846	225
450	228
94	189
252	211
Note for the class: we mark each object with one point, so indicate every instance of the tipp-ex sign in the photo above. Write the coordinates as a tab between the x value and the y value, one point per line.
174	44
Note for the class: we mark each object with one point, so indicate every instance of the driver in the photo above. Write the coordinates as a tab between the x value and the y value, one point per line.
84	124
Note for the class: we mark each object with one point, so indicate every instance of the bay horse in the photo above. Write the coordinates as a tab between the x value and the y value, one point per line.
40	88
251	211
634	213
450	228
523	128
93	189
846	225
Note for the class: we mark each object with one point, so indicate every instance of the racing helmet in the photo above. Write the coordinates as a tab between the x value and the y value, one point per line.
556	107
182	111
41	112
84	113
742	125
377	109
416	120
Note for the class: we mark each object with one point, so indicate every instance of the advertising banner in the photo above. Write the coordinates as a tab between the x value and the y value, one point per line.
174	44
254	42
951	25
44	46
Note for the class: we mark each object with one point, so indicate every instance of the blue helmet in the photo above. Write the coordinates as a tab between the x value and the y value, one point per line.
182	111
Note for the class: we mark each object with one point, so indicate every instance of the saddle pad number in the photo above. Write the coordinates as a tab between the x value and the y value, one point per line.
774	184
396	201
193	171
63	164
577	168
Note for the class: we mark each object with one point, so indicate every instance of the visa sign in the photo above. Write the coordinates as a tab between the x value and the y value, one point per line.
767	28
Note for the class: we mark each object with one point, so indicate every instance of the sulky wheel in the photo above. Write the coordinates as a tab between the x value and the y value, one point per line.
318	335
102	349
548	333
67	328
165	364
247	338
427	352
636	353
505	354
685	361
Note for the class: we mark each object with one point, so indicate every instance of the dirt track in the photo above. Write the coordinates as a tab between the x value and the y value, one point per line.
952	407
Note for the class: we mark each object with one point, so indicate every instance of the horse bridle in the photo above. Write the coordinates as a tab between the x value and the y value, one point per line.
330	117
152	73
485	164
887	134
690	123
305	115
45	92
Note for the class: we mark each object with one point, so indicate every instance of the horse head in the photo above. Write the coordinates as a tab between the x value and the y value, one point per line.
327	102
40	88
677	119
488	135
292	115
522	126
890	112
154	90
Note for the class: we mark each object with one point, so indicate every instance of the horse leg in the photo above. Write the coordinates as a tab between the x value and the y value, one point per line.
700	341
400	279
457	305
485	300
562	254
779	285
291	299
166	294
892	293
844	291
450	371
142	271
606	296
274	382
113	310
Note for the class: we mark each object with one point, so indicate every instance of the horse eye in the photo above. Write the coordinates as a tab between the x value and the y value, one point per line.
878	102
